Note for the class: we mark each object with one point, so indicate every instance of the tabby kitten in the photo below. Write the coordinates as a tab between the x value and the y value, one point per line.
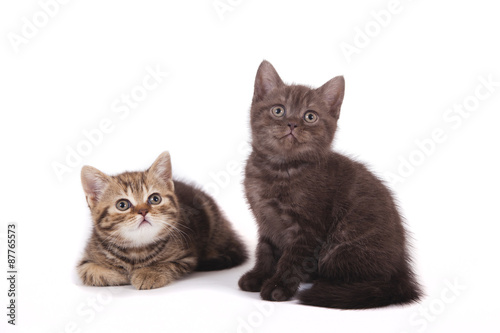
322	217
149	230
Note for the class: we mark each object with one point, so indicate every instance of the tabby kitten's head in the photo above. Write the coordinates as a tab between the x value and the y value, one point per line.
293	122
132	209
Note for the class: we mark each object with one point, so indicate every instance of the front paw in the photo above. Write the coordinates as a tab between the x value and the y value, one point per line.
251	281
93	274
274	290
147	278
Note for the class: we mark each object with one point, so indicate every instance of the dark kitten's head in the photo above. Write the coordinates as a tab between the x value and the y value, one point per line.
133	209
293	122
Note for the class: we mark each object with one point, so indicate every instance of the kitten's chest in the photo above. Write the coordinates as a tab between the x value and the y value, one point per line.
286	188
132	258
286	204
281	192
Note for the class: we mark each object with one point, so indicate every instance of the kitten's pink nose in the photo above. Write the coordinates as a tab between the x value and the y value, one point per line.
292	126
143	212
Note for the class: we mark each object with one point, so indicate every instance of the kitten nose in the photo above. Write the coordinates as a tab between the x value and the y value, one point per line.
292	125
143	212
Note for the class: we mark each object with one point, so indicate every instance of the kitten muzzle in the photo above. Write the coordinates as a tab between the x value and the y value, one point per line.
144	222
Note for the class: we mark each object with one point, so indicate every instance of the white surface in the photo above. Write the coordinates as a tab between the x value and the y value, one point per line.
67	78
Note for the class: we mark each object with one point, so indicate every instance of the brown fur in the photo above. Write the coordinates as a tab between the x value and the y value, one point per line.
322	217
184	232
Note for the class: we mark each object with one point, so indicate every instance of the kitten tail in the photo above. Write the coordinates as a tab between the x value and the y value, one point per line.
360	295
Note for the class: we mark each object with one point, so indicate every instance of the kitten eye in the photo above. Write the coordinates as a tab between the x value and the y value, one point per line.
311	117
154	199
278	111
123	205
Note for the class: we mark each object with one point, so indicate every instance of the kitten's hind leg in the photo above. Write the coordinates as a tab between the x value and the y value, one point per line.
231	254
265	267
220	247
93	274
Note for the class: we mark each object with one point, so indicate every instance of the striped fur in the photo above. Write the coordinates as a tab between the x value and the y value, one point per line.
183	232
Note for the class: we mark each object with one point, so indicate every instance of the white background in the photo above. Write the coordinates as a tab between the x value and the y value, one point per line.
69	74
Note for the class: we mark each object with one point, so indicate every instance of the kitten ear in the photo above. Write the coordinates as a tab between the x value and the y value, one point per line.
162	168
266	80
333	93
94	183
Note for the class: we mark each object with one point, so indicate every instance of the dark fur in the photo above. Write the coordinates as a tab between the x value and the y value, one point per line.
322	217
217	245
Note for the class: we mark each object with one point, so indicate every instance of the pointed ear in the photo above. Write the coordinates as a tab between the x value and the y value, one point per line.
162	168
333	93
94	183
266	80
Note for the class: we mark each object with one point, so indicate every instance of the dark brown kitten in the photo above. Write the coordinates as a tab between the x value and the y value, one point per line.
149	230
322	217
